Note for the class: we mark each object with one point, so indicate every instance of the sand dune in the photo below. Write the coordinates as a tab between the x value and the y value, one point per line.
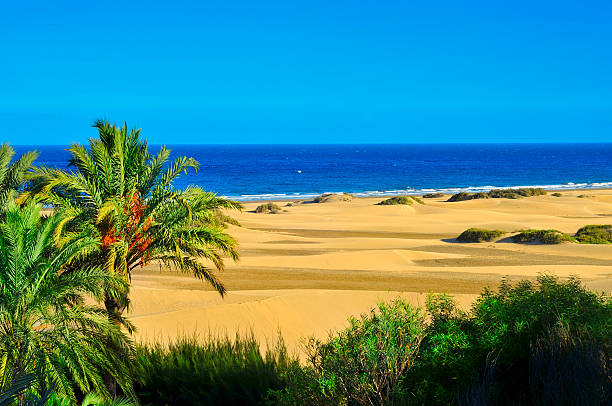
304	271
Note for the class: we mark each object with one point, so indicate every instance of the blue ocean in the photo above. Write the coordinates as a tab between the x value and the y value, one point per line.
256	172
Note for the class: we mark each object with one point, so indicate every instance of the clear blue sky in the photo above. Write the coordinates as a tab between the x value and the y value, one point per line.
309	71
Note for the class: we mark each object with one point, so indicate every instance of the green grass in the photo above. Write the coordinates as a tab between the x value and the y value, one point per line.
271	208
542	236
479	235
400	200
218	372
433	195
498	194
595	234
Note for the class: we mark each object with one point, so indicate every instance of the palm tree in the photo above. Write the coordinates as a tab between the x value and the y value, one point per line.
12	174
46	326
124	197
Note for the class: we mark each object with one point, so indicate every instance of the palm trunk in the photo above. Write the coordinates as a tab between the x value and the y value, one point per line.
114	310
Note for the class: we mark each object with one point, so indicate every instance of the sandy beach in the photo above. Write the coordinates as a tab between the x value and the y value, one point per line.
304	271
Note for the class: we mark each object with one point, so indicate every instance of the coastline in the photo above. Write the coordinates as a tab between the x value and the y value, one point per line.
282	197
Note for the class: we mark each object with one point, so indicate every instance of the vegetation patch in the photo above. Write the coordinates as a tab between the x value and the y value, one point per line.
219	371
585	196
479	235
498	194
433	195
556	194
333	197
400	200
268	208
542	237
595	234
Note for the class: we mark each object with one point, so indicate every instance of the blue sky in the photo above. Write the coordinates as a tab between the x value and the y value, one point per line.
308	72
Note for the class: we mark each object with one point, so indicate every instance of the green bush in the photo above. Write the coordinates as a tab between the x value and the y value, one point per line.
498	194
271	208
585	196
400	200
365	363
479	235
218	372
433	195
542	236
556	194
595	234
396	200
489	351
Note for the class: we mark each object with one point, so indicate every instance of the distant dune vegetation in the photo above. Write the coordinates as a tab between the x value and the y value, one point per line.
591	234
498	194
479	235
268	208
400	200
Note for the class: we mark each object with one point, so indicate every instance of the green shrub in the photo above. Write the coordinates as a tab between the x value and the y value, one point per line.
556	194
400	200
218	372
542	236
595	234
585	196
479	235
433	195
505	335
396	200
363	364
498	194
271	208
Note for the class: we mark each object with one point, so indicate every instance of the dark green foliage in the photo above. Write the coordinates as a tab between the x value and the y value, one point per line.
595	234
556	194
498	194
585	196
565	370
400	200
542	237
218	372
507	334
479	235
433	195
271	208
363	364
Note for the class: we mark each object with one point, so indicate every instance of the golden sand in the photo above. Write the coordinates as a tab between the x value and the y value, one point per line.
305	270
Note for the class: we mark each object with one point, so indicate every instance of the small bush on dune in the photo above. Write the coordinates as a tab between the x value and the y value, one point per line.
595	234
400	200
433	195
396	200
333	197
218	372
585	196
542	237
556	194
479	235
498	194
271	208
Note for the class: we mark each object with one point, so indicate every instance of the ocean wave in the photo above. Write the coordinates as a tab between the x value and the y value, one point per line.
422	191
